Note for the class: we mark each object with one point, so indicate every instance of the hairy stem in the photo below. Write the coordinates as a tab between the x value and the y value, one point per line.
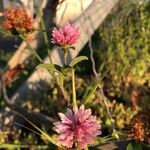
31	49
44	33
64	92
86	148
73	88
65	56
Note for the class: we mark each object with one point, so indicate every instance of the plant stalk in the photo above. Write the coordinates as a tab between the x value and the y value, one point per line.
63	92
73	88
65	56
31	49
45	35
86	148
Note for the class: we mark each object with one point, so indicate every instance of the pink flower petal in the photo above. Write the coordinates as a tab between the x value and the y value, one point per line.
66	36
77	126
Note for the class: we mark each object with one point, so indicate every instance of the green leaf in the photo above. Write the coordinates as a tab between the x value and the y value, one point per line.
77	60
17	146
60	79
134	146
65	70
43	134
50	67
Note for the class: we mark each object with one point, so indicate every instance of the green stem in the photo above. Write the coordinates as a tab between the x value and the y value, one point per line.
31	49
88	96
78	148
43	134
73	88
86	148
5	32
46	38
60	83
115	133
44	33
63	92
65	56
91	93
94	87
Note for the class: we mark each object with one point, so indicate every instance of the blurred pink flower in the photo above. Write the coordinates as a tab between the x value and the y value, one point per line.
77	128
65	36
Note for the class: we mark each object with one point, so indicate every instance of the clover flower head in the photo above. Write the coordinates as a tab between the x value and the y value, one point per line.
17	20
77	128
140	127
66	36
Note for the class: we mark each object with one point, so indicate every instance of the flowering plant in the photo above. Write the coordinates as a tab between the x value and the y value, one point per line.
77	128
